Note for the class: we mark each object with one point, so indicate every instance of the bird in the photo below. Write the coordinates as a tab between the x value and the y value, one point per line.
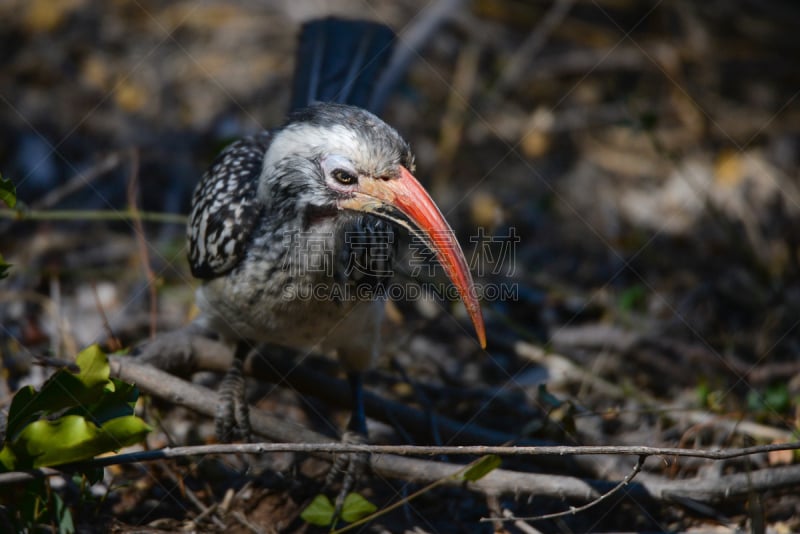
292	230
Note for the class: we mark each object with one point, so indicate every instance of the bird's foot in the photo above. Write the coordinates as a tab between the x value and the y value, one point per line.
173	352
233	413
351	466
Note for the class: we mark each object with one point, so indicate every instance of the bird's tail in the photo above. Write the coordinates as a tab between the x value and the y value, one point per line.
340	61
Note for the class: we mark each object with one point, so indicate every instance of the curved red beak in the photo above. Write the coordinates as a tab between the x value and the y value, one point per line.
406	195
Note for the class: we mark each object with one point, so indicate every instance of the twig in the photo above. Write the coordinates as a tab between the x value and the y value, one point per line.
581	61
495	509
423	399
576	510
532	46
522	525
141	242
193	498
207	354
242	519
207	511
75	183
563	366
78	181
49	361
64	341
412	40
454	118
387	462
22	214
334	391
408	498
499	481
114	343
192	352
14	477
202	400
336	447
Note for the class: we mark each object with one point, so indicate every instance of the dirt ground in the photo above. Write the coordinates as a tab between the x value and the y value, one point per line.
623	176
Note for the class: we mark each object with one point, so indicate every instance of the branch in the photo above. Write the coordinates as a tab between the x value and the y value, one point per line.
204	401
336	447
522	59
410	44
564	367
187	351
576	510
386	461
141	243
78	181
23	214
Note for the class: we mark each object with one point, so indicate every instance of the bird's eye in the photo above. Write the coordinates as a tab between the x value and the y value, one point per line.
344	177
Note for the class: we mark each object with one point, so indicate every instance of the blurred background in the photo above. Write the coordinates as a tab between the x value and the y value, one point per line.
643	154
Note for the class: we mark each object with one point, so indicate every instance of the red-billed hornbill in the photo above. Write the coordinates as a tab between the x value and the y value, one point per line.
336	179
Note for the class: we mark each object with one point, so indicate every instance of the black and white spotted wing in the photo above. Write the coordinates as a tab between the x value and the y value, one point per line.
225	208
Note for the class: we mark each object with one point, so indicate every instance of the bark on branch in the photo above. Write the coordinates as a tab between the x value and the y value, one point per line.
498	482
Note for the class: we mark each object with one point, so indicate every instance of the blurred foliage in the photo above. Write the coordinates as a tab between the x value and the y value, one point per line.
774	401
37	508
4	267
8	193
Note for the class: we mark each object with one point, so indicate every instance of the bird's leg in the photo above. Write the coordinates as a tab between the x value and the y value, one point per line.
233	413
358	419
351	466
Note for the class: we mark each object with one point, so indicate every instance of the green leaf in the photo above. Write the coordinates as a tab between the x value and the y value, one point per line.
8	460
546	398
8	193
4	267
95	415
72	438
87	477
482	467
355	507
776	399
319	512
94	367
79	393
648	121
633	298
21	412
27	504
121	432
702	391
60	392
43	442
119	402
63	515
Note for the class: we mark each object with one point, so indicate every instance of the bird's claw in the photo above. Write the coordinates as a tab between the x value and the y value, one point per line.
233	413
352	466
171	351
